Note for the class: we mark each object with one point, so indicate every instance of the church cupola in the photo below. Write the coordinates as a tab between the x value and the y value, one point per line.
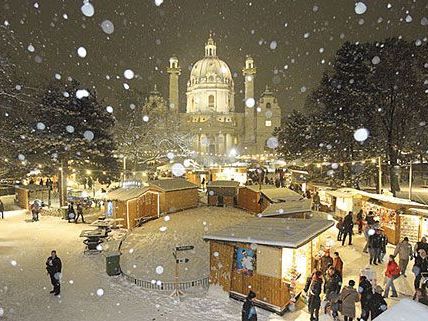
210	48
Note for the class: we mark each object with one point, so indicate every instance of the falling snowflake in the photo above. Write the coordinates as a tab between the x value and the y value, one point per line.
272	142
81	93
40	126
158	2
128	74
361	134
250	102
31	48
87	9
159	269
360	8
170	155
13	262
100	292
163	228
69	129
107	26
109	109
375	60
88	135
81	52
273	45
178	169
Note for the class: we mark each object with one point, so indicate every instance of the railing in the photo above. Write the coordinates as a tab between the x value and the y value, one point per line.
168	286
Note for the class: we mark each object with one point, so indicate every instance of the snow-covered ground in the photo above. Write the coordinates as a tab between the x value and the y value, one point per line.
150	247
24	285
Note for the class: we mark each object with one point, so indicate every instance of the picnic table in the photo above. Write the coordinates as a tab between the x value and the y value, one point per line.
93	238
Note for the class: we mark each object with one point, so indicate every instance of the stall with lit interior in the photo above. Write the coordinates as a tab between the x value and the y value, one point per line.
398	217
272	257
345	200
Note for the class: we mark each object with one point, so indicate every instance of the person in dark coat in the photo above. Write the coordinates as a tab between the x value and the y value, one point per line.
2	209
348	225
339	226
79	213
374	246
360	219
71	214
421	296
54	268
366	292
249	312
421	266
313	287
377	304
332	286
325	262
383	244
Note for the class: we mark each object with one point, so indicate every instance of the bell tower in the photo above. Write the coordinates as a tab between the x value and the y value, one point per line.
249	72
174	71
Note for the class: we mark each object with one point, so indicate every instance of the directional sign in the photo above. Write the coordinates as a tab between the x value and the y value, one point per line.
179	261
184	248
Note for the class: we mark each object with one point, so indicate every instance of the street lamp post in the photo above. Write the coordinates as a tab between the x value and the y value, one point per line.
379	164
124	170
410	179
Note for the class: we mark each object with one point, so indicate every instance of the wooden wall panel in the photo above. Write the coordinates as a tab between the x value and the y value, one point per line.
248	200
179	200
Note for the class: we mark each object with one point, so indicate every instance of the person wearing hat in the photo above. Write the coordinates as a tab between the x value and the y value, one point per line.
348	297
249	312
404	252
377	304
366	292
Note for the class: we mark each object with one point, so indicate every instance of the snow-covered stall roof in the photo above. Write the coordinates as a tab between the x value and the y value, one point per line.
345	192
172	184
288	207
33	187
275	194
404	310
290	233
223	183
125	194
419	211
393	200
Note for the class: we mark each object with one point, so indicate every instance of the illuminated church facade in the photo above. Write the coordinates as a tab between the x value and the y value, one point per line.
210	116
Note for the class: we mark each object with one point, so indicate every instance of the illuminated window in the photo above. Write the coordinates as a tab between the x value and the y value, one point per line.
268	123
210	102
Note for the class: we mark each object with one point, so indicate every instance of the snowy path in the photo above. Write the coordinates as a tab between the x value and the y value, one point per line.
24	287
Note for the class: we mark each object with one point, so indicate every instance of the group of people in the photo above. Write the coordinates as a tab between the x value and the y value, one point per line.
71	212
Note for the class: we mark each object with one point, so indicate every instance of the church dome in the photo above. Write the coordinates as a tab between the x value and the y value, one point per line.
210	69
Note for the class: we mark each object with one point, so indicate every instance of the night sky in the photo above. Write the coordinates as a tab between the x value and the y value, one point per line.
307	33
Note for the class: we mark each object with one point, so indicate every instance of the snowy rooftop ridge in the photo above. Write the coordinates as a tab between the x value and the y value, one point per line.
172	184
279	232
274	193
403	310
287	207
223	183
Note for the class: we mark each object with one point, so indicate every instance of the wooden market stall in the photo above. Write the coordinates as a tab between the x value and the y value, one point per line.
396	215
134	204
256	198
291	209
176	194
25	194
222	193
272	257
345	200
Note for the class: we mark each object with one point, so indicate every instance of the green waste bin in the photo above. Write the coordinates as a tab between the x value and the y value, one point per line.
113	263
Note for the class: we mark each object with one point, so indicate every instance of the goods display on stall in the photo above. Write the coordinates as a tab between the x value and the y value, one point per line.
345	200
272	257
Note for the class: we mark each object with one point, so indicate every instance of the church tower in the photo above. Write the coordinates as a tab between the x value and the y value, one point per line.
249	72
174	71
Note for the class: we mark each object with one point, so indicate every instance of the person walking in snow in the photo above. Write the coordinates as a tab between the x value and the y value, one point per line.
316	202
421	296
325	262
377	304
360	221
333	283
348	225
366	292
339	226
404	251
35	210
349	296
383	244
338	263
79	213
374	245
249	312
392	272
314	287
2	209
54	268
71	214
420	267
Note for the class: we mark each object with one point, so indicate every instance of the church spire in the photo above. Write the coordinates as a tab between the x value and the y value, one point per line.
210	47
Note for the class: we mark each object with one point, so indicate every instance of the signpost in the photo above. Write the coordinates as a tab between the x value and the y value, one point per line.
177	292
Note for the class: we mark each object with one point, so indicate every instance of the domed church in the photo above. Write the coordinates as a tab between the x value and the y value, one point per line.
210	116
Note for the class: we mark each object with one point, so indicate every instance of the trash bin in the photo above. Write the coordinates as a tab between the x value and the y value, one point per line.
112	263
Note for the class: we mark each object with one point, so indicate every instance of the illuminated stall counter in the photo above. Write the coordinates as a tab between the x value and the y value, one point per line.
272	257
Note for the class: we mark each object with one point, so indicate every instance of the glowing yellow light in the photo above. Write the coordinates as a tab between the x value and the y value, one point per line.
60	168
374	160
104	173
319	165
88	172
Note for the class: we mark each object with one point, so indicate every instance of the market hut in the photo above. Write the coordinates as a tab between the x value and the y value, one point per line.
399	217
291	209
256	198
134	204
25	194
344	200
222	193
176	194
272	257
